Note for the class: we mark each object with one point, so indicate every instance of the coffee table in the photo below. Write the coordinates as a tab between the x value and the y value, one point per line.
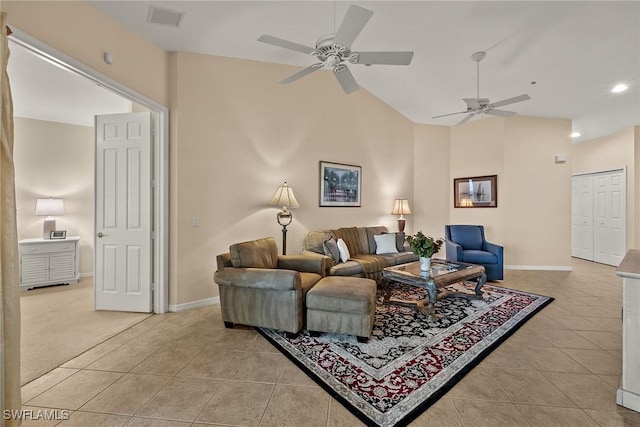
442	273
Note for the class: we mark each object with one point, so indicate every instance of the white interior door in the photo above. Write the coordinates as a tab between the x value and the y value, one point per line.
609	227
582	217
123	215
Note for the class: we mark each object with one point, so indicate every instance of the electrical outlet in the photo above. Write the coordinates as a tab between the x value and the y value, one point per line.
196	221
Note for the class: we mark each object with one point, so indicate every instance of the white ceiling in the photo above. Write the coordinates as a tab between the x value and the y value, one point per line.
44	91
575	51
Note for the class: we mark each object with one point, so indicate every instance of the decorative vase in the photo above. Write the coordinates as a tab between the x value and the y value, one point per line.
425	264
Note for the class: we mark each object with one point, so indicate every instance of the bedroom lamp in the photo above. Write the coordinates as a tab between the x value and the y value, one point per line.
284	198
401	207
49	207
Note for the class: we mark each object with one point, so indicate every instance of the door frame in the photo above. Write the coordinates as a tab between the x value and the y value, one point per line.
160	155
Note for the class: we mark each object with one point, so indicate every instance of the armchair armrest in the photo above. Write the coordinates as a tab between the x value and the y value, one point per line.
304	263
327	260
263	278
497	250
453	251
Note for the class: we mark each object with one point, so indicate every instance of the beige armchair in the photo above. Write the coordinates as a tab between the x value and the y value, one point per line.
258	287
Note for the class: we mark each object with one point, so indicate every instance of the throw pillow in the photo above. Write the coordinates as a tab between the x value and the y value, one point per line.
385	244
330	247
344	251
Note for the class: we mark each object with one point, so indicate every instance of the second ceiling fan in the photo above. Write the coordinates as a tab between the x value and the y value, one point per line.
334	50
479	105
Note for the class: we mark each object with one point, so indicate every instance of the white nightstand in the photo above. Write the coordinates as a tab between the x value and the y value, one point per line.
48	262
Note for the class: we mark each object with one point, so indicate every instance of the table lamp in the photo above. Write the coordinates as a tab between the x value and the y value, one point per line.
49	207
284	198
401	207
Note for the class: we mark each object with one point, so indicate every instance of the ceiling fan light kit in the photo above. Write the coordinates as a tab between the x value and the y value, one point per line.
334	50
481	106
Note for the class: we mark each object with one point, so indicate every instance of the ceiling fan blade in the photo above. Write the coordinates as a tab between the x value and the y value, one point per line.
465	120
511	100
346	79
295	76
352	24
387	58
501	113
285	44
472	103
450	114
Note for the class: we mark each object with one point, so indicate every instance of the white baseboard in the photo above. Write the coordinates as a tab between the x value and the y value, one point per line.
194	304
90	274
539	267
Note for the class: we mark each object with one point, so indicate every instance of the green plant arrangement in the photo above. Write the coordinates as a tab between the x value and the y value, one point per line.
424	246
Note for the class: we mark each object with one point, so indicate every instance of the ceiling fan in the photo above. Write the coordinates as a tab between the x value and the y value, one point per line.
479	105
334	50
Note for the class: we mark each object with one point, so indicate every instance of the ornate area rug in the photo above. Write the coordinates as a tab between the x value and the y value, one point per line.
409	361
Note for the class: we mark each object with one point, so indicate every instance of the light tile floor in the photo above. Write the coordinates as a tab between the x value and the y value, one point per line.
562	368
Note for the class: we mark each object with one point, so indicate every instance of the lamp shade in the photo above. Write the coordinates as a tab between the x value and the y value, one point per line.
49	206
401	207
284	197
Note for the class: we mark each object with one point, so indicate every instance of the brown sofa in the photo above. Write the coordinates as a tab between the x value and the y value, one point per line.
364	261
258	287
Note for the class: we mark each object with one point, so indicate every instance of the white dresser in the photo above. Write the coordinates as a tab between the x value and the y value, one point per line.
48	262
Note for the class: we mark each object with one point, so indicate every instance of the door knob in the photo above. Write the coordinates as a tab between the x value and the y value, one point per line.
100	235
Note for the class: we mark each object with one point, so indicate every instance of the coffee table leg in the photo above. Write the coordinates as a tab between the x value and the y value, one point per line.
481	281
432	291
386	290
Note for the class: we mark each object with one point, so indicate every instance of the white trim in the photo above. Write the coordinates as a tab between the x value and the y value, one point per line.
539	267
161	156
620	169
628	399
89	274
195	304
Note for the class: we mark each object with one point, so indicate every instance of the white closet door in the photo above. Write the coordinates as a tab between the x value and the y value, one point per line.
582	217
610	210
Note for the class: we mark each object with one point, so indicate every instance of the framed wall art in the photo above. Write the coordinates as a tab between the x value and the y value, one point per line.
340	185
476	192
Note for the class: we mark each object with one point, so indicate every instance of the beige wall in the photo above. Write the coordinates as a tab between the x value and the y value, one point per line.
56	160
536	192
80	31
520	150
237	135
431	182
613	152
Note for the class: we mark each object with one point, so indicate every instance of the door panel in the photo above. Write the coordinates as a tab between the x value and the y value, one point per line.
610	227
123	279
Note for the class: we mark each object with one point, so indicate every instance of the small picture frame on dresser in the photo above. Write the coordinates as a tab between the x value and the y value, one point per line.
58	234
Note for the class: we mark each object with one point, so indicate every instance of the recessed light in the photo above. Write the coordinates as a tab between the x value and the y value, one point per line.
575	134
620	87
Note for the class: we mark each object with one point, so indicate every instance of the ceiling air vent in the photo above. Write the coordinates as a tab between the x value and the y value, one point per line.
159	15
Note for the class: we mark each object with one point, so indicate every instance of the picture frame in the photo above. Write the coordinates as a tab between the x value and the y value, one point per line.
340	185
58	234
476	192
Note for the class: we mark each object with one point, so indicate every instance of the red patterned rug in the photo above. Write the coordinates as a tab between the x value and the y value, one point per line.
409	361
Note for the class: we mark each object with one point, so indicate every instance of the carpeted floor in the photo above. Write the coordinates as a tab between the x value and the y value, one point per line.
59	323
410	361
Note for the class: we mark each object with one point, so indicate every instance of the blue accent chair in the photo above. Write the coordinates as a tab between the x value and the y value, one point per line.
466	243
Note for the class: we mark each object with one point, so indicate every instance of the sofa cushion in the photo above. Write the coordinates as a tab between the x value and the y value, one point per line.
479	257
401	258
385	244
261	253
308	281
469	237
371	242
314	240
349	268
330	248
344	251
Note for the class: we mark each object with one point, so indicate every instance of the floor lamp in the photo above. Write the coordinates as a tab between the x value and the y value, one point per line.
284	198
401	207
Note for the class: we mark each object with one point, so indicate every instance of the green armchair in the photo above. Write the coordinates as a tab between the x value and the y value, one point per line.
258	287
